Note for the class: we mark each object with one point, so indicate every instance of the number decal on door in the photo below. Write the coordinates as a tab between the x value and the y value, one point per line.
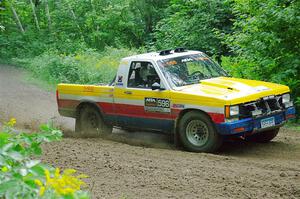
157	105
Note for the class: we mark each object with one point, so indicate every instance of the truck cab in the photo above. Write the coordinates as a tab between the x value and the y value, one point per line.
181	92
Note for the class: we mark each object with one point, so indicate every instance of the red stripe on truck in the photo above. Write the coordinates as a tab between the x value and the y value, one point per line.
134	111
63	103
217	117
139	111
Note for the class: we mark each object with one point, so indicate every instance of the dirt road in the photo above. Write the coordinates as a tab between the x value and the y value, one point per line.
143	165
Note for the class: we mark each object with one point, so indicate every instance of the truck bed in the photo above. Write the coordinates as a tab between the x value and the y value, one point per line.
70	96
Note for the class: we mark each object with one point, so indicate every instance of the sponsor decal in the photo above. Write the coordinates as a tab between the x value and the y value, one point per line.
178	106
157	105
119	81
120	78
186	60
173	62
88	89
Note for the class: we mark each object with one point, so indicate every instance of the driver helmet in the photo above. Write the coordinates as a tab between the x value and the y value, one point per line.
146	70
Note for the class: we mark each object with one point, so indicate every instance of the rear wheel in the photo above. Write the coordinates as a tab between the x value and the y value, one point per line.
197	133
90	123
263	137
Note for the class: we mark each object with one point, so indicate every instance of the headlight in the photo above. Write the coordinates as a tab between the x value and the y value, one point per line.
231	111
286	98
234	110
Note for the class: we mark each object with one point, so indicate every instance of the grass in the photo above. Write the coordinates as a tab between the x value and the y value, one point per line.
294	126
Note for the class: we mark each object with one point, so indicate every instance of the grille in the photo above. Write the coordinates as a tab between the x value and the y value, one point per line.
267	105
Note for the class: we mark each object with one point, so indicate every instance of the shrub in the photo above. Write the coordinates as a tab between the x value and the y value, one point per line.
21	176
88	67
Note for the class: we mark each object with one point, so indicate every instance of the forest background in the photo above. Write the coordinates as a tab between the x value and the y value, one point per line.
82	41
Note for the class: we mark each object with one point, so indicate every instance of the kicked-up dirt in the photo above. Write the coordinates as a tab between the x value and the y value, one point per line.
146	165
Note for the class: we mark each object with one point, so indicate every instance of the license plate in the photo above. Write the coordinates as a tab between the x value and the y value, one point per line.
267	122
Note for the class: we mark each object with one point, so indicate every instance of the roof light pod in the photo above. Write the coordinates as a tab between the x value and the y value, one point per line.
179	50
165	52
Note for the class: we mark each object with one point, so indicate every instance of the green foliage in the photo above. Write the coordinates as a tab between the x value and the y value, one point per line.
19	173
74	25
89	67
195	25
266	42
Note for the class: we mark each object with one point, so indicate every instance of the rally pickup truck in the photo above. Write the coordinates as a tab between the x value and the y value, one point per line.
181	92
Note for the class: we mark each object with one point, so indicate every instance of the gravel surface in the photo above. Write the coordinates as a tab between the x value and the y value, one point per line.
146	165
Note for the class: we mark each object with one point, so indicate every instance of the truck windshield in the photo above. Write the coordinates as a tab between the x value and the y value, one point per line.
190	69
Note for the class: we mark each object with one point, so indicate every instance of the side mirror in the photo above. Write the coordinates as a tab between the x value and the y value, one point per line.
156	86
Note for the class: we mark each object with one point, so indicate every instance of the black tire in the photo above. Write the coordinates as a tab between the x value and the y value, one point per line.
263	137
198	133
89	123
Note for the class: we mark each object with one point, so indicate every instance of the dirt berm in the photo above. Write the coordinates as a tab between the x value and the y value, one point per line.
146	165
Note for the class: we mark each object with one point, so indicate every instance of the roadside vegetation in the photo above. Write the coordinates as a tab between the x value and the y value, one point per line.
83	41
23	175
88	67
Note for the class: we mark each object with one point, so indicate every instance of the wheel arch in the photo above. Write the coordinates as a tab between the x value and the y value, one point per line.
215	141
97	108
87	103
185	111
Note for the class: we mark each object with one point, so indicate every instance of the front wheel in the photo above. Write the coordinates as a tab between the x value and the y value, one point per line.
89	123
198	134
263	137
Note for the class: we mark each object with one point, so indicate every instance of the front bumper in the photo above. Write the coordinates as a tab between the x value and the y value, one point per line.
252	125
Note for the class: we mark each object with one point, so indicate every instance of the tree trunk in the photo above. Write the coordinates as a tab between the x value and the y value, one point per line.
48	14
17	19
34	15
74	17
75	21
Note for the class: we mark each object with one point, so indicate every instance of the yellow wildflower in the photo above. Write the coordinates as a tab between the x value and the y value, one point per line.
38	182
64	184
42	190
68	191
11	122
41	185
69	171
57	173
47	175
4	169
77	57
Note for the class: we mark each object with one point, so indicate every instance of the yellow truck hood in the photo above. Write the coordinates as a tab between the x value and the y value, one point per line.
234	90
